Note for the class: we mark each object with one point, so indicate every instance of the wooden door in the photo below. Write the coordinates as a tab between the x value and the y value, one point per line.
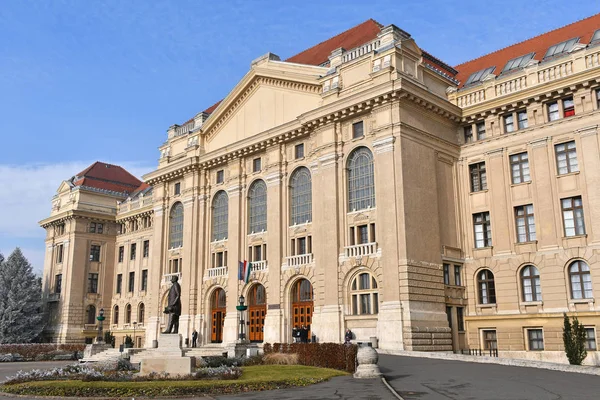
257	310
302	305
218	303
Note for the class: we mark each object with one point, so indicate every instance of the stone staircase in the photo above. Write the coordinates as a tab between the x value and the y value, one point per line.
204	351
106	355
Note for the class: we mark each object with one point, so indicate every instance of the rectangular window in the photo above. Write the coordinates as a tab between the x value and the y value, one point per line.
146	248
566	158
522	119
177	189
93	283
449	316
519	167
525	223
478	177
446	274
480	130
121	253
372	225
299	151
457	275
363	234
598	98
536	339
460	318
256	165
119	287
568	107
301	242
131	281
468	132
133	251
58	283
92	227
572	209
553	113
144	286
489	339
357	130
509	123
95	252
60	229
220	176
175	265
590	343
483	230
59	253
352	236
99	228
258	256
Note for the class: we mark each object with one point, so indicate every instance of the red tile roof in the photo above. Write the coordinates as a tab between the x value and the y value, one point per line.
353	37
105	176
584	29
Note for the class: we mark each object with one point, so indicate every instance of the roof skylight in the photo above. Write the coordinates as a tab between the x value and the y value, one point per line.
518	62
596	37
562	47
479	75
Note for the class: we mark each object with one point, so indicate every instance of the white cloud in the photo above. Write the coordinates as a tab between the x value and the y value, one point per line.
26	198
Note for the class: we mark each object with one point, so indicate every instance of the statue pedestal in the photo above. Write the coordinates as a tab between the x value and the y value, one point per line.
168	357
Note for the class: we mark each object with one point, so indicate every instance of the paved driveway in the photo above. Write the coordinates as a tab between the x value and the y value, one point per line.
431	379
11	368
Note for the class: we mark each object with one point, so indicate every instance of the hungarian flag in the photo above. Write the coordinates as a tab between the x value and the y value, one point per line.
244	271
247	272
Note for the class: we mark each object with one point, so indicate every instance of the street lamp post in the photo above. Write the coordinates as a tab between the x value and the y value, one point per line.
241	308
100	318
134	325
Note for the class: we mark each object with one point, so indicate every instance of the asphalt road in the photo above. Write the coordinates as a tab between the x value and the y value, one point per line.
11	368
430	379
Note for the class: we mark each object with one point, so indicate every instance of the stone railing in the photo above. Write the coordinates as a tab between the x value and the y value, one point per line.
216	272
184	129
555	72
259	266
167	278
129	205
299	260
360	250
361	50
531	76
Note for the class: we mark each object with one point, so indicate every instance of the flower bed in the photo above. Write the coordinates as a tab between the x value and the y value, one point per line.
40	352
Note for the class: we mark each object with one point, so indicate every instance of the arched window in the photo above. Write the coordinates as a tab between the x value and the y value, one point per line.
486	286
302	291
128	314
176	226
581	280
141	312
257	207
219	299
530	284
90	315
220	216
364	294
116	315
361	180
257	295
300	197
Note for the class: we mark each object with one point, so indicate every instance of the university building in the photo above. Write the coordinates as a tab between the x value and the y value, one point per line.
372	187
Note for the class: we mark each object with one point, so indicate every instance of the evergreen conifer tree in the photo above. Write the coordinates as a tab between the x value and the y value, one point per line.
21	318
574	338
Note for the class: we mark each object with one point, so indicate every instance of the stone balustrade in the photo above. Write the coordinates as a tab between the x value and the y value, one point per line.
361	50
359	250
167	278
299	260
216	272
259	266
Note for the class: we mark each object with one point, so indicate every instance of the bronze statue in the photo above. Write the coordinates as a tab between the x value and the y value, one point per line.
174	306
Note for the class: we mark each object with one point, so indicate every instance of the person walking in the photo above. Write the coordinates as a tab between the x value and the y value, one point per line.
194	338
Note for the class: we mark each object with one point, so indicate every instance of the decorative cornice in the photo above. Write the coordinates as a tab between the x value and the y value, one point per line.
273	179
588	131
328	160
495	152
542	142
384	145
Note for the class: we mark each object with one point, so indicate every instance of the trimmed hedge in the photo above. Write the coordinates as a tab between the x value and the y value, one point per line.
40	351
324	355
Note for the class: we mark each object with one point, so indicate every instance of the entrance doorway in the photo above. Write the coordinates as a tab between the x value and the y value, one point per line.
218	301
302	305
256	313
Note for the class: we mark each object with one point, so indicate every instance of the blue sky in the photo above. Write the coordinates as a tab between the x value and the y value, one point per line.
82	81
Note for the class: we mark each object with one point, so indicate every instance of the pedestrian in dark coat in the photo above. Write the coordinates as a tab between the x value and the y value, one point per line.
194	338
348	336
304	334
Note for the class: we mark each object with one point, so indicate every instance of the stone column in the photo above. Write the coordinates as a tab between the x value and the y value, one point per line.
589	149
500	212
190	208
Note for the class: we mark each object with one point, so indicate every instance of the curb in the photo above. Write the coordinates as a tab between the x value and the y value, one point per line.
391	389
512	362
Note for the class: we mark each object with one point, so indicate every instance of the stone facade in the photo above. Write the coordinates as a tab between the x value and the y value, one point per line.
394	254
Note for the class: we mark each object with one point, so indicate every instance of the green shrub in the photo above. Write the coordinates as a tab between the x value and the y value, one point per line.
574	338
40	351
324	355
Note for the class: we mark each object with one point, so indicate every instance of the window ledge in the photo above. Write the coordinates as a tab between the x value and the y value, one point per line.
532	303
568	174
489	305
582	301
361	317
361	210
483	248
520	184
575	236
479	191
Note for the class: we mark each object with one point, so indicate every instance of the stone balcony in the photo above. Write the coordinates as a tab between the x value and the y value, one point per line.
298	260
360	250
536	74
216	272
167	278
259	266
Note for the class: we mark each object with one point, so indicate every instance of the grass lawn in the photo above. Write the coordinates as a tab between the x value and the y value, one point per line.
260	377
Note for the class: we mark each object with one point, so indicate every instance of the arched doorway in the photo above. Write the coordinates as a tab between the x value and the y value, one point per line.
257	309
217	304
302	305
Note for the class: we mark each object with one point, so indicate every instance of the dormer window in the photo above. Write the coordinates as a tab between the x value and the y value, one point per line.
595	37
518	62
561	48
479	76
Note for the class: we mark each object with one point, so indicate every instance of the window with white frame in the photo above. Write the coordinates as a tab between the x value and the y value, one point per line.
480	126
519	167
361	180
220	216
525	223
176	226
458	275
553	111
446	273
566	158
257	207
300	196
301	245
573	220
364	294
530	284
486	287
478	177
482	228
580	280
590	338
535	339
362	234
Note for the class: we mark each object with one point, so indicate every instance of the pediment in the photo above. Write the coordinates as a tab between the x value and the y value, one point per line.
270	95
64	187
